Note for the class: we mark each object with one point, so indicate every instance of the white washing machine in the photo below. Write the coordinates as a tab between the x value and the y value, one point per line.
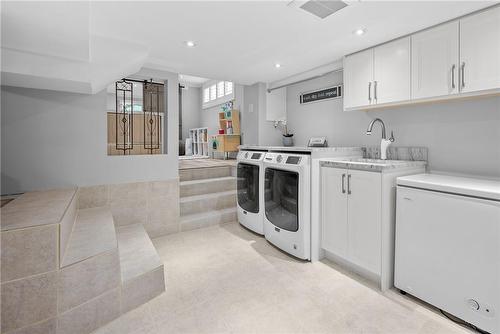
287	187
250	186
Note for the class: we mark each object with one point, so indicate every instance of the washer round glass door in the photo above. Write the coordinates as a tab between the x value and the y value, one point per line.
248	187
282	198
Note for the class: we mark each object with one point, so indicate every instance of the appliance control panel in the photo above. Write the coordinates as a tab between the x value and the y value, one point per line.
251	155
286	159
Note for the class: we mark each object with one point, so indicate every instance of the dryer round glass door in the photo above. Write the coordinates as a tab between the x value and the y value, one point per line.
282	198
248	187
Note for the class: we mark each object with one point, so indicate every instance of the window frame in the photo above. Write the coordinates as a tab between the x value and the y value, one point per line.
218	99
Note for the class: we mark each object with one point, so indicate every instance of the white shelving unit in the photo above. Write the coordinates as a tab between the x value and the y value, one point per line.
199	144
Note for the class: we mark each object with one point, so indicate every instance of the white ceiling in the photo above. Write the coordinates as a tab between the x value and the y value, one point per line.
83	46
49	45
242	40
191	81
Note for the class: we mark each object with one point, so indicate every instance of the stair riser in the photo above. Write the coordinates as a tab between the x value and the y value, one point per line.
142	289
202	205
88	279
204	173
209	221
207	188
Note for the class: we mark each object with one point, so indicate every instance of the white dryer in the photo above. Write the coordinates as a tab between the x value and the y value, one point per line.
250	186
287	184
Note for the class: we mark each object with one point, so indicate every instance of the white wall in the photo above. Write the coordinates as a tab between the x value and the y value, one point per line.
250	116
462	136
56	139
191	107
256	129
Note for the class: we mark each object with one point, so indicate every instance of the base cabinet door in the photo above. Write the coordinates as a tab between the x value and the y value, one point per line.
364	219
334	210
435	62
480	51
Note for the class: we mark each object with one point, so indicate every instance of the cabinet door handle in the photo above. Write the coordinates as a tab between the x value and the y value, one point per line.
375	91
453	76
343	183
370	92
462	68
349	184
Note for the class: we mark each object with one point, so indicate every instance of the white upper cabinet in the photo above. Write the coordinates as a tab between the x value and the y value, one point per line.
358	79
392	71
460	58
480	51
435	61
378	75
276	105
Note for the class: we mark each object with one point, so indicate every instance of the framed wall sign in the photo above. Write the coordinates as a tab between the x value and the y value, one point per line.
321	94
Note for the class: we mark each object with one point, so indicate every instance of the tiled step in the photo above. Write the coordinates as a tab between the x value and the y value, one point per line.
141	268
206	186
35	230
205	173
207	202
93	234
208	218
36	208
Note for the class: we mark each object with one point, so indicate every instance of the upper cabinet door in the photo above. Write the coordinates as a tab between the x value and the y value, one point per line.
435	62
358	77
480	51
392	71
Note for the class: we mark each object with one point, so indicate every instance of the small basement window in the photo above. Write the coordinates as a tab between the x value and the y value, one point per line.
217	92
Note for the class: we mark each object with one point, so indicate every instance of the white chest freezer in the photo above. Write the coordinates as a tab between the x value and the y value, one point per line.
448	245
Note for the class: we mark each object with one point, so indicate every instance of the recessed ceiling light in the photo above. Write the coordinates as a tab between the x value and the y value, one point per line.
190	44
277	65
359	31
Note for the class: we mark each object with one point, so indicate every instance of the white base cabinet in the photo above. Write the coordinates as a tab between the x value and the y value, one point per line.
364	207
357	220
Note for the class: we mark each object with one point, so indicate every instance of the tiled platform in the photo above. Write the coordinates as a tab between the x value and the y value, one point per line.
204	163
225	279
69	271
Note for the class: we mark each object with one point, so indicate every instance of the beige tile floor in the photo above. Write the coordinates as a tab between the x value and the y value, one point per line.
225	279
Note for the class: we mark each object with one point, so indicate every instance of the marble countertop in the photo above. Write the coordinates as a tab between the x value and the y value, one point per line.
299	148
374	165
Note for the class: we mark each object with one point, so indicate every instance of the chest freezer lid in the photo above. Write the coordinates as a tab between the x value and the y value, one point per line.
489	189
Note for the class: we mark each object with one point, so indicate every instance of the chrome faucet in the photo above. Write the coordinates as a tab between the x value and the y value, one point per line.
384	143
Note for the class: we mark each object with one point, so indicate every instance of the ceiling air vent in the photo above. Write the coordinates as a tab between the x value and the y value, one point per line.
323	8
